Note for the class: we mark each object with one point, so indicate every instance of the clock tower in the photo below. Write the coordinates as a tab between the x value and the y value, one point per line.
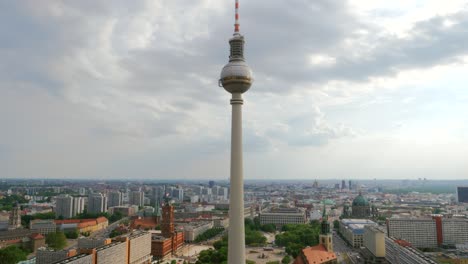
167	223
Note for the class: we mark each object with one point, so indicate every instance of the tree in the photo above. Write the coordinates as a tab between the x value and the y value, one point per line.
269	228
12	255
336	224
297	237
173	261
286	259
72	234
56	240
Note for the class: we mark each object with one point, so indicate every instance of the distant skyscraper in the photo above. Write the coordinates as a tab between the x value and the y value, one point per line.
236	78
343	184
97	203
178	194
115	199
462	194
157	195
223	193
211	184
137	198
349	185
64	206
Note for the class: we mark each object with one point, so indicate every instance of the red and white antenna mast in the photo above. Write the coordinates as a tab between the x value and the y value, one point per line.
236	25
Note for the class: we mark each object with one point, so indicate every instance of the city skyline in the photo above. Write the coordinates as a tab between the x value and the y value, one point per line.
343	90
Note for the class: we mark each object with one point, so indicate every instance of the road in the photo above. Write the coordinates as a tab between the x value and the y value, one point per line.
342	250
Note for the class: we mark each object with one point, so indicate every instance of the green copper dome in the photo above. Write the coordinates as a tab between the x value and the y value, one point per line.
360	201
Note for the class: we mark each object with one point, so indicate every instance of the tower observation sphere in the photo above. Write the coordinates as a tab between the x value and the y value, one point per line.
236	76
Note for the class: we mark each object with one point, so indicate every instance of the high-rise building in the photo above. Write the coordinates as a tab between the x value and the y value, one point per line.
429	232
178	194
157	195
78	205
343	184
64	206
223	193
97	203
462	194
420	232
115	199
137	198
349	185
236	78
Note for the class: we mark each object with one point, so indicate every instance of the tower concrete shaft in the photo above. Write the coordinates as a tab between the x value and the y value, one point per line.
236	242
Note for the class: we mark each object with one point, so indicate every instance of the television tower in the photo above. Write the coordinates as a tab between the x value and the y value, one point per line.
236	78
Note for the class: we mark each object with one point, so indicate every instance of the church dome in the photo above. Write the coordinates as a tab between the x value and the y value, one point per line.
360	201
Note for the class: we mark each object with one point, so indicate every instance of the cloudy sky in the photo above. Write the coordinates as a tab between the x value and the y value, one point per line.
343	89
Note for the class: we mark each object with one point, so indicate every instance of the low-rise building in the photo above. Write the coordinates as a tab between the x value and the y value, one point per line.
43	227
194	229
283	216
82	225
353	230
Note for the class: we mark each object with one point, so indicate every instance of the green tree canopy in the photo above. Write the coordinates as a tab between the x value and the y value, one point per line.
297	237
56	240
12	255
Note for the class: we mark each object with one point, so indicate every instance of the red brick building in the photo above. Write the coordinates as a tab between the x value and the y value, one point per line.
170	240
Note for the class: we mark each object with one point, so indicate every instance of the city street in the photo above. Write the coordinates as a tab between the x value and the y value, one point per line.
343	251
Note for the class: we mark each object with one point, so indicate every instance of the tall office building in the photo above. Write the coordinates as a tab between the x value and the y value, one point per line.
236	78
137	198
115	199
462	194
97	203
343	184
64	206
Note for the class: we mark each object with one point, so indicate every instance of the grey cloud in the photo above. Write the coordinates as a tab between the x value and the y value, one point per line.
310	129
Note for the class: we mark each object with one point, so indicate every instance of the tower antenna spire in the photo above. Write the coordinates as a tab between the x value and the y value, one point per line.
236	25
